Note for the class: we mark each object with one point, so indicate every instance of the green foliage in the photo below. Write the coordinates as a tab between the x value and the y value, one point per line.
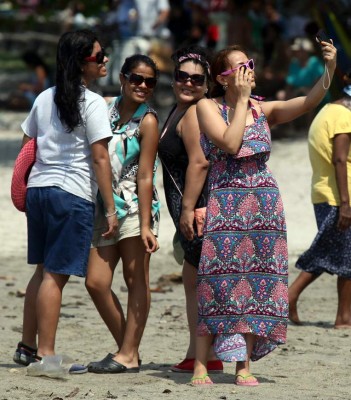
11	62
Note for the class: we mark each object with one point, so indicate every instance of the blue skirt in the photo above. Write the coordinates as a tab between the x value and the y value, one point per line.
331	249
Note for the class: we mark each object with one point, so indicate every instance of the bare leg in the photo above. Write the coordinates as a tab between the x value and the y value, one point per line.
101	267
243	367
189	281
203	344
343	316
297	287
30	325
48	310
136	275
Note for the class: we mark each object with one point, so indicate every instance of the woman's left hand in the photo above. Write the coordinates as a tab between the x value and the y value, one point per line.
149	240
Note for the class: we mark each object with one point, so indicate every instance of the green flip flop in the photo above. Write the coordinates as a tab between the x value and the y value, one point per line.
202	380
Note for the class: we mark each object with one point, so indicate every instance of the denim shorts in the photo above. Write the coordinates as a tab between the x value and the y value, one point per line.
60	229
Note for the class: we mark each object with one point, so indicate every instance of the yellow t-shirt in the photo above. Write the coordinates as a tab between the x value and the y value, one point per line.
332	119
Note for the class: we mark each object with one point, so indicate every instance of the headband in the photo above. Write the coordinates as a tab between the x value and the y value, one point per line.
193	56
347	90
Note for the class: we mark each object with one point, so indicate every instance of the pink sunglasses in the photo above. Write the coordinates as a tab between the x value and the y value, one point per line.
249	64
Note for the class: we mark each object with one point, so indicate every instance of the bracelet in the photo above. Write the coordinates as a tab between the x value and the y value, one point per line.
112	214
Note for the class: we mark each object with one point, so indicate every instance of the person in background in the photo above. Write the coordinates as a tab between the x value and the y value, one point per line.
70	124
329	142
23	98
179	22
119	24
152	17
305	68
243	273
184	177
132	153
273	32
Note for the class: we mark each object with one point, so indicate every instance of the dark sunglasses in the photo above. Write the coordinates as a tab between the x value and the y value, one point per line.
98	58
136	79
249	64
195	79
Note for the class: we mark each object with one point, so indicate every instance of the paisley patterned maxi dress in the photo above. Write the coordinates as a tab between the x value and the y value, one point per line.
243	272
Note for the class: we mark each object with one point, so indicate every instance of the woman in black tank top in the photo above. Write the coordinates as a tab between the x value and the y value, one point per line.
184	176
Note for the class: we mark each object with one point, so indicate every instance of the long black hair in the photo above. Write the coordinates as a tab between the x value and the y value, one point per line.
72	48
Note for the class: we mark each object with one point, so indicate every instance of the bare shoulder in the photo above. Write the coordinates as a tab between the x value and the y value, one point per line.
188	121
149	122
190	112
206	104
266	106
205	101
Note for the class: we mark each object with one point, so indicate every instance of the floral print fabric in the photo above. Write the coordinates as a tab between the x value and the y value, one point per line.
331	248
242	277
124	150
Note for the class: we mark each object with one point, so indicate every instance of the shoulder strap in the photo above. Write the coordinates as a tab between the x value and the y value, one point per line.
259	99
218	105
175	183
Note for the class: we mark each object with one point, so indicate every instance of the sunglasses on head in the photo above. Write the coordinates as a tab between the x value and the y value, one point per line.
136	79
98	58
249	64
195	79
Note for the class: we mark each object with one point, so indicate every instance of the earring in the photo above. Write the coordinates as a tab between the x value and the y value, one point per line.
172	84
206	91
225	87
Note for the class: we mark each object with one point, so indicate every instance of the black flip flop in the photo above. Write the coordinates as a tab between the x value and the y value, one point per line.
109	366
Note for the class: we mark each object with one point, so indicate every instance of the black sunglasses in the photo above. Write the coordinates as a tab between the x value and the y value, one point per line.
98	58
195	79
136	79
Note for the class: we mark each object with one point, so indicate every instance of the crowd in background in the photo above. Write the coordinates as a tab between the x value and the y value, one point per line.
237	286
267	29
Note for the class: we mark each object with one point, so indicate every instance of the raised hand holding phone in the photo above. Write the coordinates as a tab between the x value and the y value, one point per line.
321	36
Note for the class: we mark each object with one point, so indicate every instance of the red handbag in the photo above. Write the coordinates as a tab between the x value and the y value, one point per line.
23	165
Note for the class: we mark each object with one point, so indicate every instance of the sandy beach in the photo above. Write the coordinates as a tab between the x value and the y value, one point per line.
315	363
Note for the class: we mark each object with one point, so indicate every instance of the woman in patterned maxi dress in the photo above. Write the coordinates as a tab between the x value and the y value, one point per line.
242	277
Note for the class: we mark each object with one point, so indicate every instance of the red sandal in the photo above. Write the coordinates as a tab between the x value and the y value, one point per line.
187	365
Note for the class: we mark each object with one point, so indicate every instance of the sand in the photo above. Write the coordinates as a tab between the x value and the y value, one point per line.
313	364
